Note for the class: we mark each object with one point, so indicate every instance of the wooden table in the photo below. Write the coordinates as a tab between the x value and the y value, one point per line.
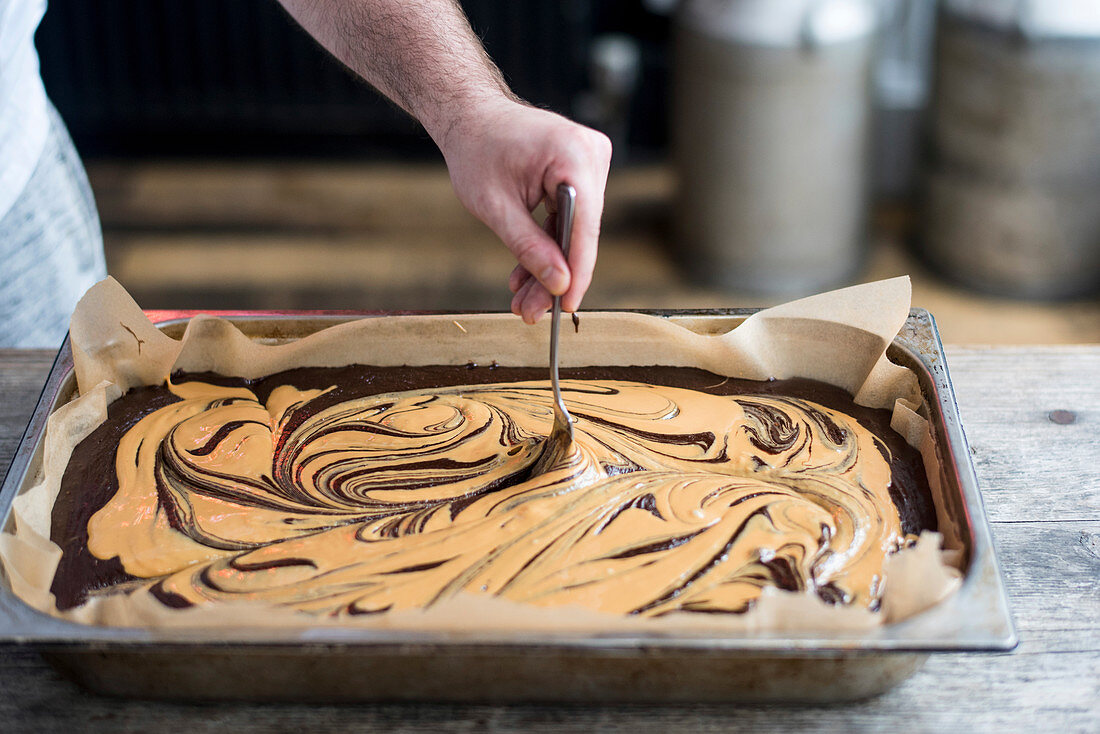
1032	416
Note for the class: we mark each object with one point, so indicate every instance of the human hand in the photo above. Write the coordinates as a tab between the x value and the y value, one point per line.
505	158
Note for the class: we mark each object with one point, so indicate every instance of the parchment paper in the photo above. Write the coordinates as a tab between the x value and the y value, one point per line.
838	337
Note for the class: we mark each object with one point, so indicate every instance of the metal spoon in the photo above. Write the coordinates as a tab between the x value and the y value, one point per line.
561	435
567	201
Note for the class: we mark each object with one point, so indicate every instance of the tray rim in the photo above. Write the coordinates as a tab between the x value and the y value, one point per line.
975	618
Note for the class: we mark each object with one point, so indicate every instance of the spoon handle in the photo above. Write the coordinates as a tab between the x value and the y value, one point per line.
566	203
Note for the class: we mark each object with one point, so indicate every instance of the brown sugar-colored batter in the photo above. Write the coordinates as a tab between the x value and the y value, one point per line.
356	490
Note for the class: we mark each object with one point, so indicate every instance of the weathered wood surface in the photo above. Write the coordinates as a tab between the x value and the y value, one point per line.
328	234
22	374
1041	486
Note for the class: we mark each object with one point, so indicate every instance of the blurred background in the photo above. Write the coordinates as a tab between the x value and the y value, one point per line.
764	149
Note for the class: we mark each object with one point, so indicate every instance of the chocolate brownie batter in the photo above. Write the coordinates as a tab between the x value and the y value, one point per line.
778	418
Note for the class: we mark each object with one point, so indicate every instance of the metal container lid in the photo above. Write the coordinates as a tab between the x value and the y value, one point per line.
781	23
1033	19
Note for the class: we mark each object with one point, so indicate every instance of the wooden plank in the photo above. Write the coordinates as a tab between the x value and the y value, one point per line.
265	195
1007	399
22	374
394	236
467	268
1052	571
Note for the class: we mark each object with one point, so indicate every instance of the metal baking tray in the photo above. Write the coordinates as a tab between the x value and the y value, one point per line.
354	664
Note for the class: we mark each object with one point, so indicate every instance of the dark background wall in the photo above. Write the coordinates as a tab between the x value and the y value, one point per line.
218	77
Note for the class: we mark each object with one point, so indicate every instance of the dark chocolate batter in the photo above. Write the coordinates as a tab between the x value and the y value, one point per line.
90	479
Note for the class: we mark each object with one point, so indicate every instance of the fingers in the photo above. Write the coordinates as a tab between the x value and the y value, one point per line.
585	167
582	253
518	277
520	296
535	250
587	174
531	301
501	169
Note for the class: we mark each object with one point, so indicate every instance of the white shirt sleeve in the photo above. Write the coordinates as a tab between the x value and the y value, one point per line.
24	121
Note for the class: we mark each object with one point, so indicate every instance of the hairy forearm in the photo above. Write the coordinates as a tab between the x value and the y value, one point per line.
504	157
422	54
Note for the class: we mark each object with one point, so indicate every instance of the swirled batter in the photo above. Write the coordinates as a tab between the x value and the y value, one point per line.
354	501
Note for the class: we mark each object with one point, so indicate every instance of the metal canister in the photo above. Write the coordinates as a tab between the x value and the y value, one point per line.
770	125
1013	203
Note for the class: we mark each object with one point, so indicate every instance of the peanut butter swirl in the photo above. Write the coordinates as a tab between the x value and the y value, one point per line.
671	500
